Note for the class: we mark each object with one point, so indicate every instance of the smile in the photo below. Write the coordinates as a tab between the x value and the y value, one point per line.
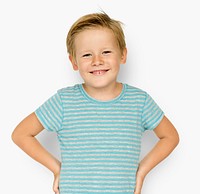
99	72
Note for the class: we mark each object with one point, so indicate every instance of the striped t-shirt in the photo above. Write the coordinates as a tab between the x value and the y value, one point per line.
100	141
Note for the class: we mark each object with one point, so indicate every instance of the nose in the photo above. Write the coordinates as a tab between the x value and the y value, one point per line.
97	60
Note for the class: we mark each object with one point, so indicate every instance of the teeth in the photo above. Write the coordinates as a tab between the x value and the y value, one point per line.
99	72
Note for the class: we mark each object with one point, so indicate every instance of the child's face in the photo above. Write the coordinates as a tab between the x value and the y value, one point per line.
98	57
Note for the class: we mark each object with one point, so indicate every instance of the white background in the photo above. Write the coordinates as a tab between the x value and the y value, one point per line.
163	40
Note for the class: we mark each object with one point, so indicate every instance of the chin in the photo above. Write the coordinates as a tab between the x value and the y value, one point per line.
99	84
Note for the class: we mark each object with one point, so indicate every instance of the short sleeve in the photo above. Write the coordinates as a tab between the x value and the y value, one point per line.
151	115
50	113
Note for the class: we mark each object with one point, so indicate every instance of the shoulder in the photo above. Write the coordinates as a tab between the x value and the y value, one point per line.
69	93
135	91
69	90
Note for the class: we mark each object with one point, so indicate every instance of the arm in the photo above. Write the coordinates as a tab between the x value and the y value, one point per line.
168	140
24	136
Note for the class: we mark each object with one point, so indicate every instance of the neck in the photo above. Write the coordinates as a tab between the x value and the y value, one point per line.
104	94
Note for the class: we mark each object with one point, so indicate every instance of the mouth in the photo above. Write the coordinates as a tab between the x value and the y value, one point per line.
99	72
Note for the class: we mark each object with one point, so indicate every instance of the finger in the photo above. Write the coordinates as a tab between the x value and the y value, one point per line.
137	190
56	186
56	189
138	187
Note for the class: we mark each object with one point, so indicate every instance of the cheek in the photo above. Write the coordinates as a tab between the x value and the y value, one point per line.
115	63
83	68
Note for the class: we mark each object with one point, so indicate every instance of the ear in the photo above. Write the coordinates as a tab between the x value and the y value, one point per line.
73	62
124	56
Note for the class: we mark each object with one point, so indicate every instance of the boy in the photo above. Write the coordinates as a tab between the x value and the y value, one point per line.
99	123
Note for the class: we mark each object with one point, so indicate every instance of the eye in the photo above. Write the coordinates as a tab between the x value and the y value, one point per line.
106	52
87	55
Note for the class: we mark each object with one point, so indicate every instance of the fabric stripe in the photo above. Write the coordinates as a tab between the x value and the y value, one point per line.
50	113
99	141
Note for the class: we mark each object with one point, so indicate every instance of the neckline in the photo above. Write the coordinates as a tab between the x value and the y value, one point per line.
86	95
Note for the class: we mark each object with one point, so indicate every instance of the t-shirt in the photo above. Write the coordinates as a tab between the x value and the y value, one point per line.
100	141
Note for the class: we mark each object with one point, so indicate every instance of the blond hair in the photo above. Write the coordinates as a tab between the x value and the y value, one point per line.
95	20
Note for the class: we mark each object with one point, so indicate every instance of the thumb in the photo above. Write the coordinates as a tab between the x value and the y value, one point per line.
56	185
138	187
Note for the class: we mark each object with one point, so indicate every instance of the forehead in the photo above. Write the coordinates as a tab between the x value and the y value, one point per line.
95	35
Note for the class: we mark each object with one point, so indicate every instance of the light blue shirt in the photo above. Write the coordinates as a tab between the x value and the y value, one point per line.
100	141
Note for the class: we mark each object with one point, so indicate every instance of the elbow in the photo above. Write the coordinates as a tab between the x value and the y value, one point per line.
14	137
17	137
172	140
175	140
20	137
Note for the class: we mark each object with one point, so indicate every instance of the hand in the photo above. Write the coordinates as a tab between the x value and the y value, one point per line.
56	184
139	183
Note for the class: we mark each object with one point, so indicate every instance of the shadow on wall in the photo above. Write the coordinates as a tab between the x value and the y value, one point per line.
50	142
149	139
